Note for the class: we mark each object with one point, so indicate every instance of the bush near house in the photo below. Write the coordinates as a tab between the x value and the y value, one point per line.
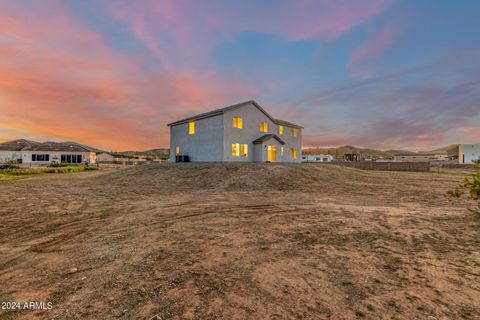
58	165
10	173
11	164
471	187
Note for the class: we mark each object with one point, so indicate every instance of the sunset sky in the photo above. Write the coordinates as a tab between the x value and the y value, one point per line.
112	74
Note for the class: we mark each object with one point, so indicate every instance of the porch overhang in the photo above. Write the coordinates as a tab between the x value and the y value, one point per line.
267	137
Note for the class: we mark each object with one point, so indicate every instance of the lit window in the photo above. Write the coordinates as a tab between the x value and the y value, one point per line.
244	150
191	127
177	150
263	127
235	150
280	130
239	150
293	132
293	153
282	151
237	122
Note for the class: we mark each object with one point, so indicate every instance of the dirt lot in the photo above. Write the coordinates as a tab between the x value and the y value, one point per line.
239	242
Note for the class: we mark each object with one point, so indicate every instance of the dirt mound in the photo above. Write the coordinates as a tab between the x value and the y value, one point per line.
242	177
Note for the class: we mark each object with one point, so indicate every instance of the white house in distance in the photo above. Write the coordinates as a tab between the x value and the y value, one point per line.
468	153
244	132
36	153
420	157
317	158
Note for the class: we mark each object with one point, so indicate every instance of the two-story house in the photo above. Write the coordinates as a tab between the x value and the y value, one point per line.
244	132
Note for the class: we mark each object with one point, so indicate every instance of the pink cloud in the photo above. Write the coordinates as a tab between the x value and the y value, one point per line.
188	26
376	46
309	19
473	133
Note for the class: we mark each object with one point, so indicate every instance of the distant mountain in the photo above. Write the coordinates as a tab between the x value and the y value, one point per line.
339	152
160	153
451	149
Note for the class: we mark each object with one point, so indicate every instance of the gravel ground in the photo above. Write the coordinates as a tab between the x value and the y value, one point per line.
239	241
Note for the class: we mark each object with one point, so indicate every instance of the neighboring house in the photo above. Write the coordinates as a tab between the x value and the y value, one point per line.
468	153
244	132
36	153
422	157
105	157
317	158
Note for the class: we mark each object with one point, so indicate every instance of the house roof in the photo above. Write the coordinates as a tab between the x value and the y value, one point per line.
268	137
17	145
223	110
27	145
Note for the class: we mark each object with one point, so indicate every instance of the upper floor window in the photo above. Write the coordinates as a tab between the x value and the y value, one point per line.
293	132
238	122
280	130
191	127
263	127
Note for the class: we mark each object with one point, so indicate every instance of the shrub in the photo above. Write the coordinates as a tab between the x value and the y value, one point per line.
58	165
10	164
50	169
471	186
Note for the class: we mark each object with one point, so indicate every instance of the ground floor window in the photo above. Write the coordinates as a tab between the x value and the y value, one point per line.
71	158
239	150
177	150
282	151
293	153
41	157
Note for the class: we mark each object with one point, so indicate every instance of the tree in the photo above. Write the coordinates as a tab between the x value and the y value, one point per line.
470	186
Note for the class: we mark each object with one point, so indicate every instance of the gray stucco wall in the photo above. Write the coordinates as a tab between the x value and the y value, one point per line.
292	142
258	152
205	145
252	117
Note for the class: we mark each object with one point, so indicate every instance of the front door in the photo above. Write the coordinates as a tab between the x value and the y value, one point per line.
272	153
